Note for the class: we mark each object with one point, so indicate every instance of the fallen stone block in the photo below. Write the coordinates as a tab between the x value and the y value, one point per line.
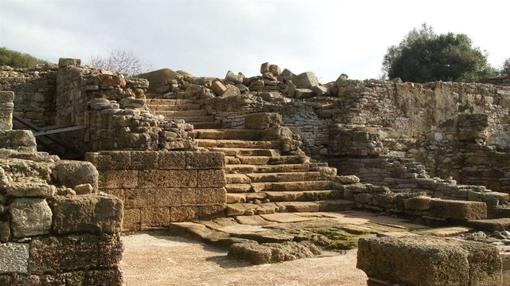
498	224
429	261
73	173
458	210
262	120
273	252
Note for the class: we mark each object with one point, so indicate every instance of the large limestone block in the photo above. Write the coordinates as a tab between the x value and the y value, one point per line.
30	217
167	178
203	196
458	210
73	173
87	213
74	252
306	80
430	261
205	160
211	178
112	179
14	257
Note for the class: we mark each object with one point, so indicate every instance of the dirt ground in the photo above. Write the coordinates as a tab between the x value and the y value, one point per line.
157	259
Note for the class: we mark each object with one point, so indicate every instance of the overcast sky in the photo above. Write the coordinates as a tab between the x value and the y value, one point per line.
209	37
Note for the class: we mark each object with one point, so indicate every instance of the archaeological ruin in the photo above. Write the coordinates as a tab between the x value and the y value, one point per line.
270	168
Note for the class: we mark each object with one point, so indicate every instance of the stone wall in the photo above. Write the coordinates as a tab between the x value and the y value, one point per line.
55	228
35	90
158	188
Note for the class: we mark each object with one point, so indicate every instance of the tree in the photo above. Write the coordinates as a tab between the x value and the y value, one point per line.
425	56
17	59
124	62
506	67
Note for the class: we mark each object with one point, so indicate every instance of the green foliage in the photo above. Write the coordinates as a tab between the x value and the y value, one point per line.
424	56
506	67
17	60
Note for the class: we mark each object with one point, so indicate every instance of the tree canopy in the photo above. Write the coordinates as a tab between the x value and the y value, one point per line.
424	56
506	67
18	59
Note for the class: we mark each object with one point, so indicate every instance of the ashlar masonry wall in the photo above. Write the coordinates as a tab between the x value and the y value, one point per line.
161	187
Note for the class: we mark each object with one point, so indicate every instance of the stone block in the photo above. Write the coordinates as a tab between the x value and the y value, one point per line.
183	213
218	87
132	220
172	160
211	178
305	80
155	217
30	217
118	179
498	224
74	252
458	210
30	189
110	160
73	173
262	120
86	214
205	160
154	197
65	62
211	211
203	196
428	261
167	178
14	257
142	160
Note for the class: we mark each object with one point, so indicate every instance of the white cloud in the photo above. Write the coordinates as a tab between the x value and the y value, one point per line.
209	37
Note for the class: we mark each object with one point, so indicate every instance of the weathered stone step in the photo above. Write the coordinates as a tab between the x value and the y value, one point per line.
283	168
272	177
181	107
265	160
165	101
236	134
203	125
238	144
315	195
269	208
182	113
278	186
246	151
192	119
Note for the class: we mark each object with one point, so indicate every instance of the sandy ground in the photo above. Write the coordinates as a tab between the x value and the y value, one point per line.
155	259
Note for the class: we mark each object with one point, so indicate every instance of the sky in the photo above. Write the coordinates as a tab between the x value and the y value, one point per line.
210	37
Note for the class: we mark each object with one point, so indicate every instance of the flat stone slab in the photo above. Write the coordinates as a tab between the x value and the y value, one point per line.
445	231
252	220
285	217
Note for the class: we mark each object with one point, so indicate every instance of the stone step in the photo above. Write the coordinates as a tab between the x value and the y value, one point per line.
238	144
246	151
236	134
265	160
284	177
314	195
192	119
181	107
165	101
269	208
272	177
283	168
182	113
203	125
278	186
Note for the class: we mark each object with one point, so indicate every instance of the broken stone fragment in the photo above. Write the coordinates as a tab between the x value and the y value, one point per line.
131	102
5	231
21	140
320	90
234	78
420	203
264	68
83	189
262	120
231	91
30	217
347	180
64	62
275	70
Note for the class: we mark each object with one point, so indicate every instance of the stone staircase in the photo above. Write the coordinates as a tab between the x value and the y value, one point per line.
260	178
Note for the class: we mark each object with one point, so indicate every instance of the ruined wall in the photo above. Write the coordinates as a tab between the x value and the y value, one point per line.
35	90
460	147
55	228
158	188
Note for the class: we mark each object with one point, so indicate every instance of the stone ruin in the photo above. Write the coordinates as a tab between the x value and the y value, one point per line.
199	156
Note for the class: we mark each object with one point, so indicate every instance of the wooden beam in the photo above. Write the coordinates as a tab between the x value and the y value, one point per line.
58	130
